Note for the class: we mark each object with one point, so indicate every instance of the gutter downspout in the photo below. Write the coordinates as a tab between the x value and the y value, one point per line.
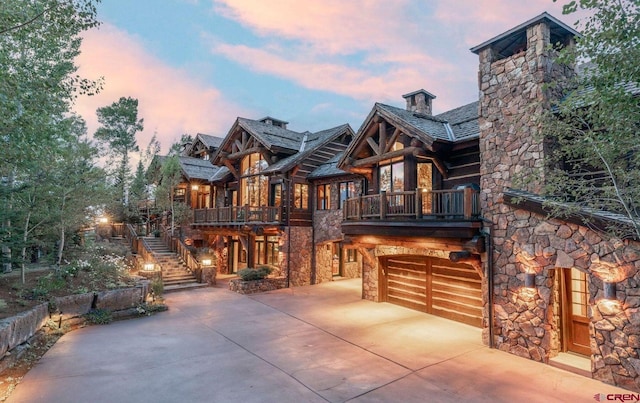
488	239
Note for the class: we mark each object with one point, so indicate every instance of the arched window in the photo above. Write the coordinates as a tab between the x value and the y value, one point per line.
253	185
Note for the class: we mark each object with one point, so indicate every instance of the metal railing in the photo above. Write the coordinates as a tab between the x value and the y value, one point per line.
238	214
418	204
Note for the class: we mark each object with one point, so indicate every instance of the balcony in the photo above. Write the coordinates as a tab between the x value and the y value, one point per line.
441	213
237	215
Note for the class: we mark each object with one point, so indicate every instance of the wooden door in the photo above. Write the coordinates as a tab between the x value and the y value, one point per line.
576	315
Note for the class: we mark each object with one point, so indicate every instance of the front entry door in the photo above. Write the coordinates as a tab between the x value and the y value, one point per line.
576	315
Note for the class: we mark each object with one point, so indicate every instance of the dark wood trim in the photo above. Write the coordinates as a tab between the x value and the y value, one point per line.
243	153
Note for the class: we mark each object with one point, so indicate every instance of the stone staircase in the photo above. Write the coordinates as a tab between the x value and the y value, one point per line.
175	275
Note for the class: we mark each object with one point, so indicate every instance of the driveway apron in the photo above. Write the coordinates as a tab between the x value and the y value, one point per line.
306	344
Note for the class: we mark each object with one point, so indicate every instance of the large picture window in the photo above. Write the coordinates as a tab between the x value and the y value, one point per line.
254	187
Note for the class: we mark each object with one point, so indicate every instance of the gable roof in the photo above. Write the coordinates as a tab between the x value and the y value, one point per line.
196	168
271	136
310	145
209	140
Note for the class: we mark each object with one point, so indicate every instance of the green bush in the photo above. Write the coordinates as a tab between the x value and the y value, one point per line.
157	287
254	274
99	316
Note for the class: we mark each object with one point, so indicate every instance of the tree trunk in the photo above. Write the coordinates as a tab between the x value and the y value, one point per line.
61	247
25	237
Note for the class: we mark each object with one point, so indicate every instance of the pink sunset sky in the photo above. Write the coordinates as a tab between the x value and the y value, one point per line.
195	65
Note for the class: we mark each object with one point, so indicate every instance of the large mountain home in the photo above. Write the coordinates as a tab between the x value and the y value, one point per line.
423	208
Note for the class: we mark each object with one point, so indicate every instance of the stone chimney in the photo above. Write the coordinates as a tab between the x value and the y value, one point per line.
274	122
419	102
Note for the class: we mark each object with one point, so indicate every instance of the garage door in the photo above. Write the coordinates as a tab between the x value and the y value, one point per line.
436	286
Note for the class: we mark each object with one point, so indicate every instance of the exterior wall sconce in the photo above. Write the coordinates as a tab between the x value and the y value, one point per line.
104	220
530	280
206	262
195	187
609	290
149	267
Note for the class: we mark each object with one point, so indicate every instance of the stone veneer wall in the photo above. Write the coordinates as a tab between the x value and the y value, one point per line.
300	263
527	321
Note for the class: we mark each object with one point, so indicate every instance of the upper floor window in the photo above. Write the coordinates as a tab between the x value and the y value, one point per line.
391	172
347	191
324	197
301	196
254	187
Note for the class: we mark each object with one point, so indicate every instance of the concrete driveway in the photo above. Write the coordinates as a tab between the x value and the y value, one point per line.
308	344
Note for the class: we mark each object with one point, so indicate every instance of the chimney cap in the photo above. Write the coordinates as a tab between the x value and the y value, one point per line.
423	91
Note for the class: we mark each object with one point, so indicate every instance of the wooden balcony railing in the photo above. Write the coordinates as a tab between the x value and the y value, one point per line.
418	204
237	215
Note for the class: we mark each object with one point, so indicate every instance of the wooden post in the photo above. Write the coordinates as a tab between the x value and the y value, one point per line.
383	204
468	202
418	203
359	208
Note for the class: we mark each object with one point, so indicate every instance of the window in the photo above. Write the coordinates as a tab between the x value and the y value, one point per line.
350	255
347	191
276	195
253	185
392	172
324	197
301	196
267	250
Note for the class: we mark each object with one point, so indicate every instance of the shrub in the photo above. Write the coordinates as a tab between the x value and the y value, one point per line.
259	273
157	287
99	316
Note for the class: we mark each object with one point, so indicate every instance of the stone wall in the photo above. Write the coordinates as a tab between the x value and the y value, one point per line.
255	286
20	328
299	261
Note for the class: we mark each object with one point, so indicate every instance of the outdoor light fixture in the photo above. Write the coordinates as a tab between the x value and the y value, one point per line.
195	187
149	266
206	262
609	290
104	220
530	280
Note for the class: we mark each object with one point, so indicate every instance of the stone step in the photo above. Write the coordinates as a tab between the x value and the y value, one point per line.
180	281
184	286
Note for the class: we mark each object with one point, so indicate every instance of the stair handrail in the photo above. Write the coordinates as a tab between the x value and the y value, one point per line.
132	238
148	257
190	261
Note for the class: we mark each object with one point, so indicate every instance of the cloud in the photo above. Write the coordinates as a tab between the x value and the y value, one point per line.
373	49
329	26
171	100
